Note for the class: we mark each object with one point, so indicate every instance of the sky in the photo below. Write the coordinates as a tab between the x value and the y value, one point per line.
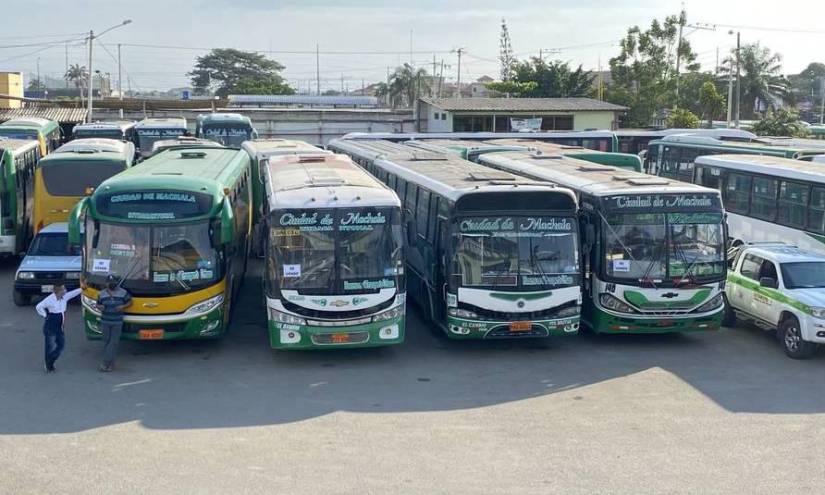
374	35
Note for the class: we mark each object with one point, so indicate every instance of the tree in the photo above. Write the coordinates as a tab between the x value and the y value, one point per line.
643	72
222	70
713	104
263	87
406	84
682	118
780	123
807	86
761	80
506	58
536	78
79	76
36	85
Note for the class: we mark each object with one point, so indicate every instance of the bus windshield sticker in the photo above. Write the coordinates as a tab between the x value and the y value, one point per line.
370	284
662	201
101	265
160	277
558	280
122	250
621	265
292	271
226	131
694	218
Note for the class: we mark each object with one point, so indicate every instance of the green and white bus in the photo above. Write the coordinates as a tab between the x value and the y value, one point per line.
653	248
18	160
489	254
673	156
150	130
334	255
636	141
228	129
593	140
767	198
175	231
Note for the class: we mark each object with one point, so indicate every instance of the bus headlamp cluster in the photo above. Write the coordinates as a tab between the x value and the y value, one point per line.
25	275
275	315
389	314
205	306
571	311
715	303
88	301
614	304
462	313
72	275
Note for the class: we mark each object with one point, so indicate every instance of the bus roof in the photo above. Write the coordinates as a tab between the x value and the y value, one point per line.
443	173
715	133
18	145
706	141
329	180
264	148
162	123
105	126
768	165
181	142
587	177
477	135
95	145
204	170
224	118
38	123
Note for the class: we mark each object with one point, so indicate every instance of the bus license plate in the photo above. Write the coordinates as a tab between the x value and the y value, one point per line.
151	334
340	338
521	326
46	289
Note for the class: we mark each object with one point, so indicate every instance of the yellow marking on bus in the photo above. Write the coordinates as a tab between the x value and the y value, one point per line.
169	304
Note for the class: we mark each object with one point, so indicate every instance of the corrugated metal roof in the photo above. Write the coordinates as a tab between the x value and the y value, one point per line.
522	105
61	115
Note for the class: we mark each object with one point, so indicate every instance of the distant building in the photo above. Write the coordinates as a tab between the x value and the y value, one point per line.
507	114
11	84
478	89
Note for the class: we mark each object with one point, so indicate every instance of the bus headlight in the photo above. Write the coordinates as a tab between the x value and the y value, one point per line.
25	275
205	306
72	275
88	301
818	313
614	304
275	315
389	314
714	303
571	311
462	313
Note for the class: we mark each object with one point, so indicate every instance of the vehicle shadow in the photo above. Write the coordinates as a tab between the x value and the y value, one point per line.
239	381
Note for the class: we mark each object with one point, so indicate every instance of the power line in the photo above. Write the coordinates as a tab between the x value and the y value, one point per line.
765	28
291	52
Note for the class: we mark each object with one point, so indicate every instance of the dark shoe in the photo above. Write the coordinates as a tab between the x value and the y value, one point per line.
105	368
48	369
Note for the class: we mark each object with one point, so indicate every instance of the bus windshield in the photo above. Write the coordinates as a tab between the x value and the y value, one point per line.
231	136
19	134
513	251
341	251
77	178
147	137
100	133
659	246
153	260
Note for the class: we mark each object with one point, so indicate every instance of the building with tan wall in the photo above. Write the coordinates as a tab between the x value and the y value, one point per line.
11	84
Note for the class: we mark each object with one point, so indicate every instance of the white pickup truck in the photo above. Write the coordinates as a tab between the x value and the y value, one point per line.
782	288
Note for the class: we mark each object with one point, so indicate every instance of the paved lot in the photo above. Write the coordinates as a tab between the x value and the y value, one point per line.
716	413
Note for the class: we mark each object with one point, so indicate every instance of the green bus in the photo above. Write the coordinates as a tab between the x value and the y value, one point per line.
673	156
175	231
150	130
334	255
490	254
593	140
653	250
44	131
228	129
636	141
817	131
18	159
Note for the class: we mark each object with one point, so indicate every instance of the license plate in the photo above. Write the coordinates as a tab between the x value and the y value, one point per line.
340	338
46	289
151	334
665	323
521	326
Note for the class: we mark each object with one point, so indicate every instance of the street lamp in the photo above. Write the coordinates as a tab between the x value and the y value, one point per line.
91	41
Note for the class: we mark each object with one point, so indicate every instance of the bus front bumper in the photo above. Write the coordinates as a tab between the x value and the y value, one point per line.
461	328
162	327
602	321
302	337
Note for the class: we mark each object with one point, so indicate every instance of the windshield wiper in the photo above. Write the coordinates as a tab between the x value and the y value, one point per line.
180	266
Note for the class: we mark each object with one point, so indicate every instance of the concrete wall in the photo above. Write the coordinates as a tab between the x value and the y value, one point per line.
595	120
11	83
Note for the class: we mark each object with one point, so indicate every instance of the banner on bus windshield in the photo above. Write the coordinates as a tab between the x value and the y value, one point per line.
154	205
663	202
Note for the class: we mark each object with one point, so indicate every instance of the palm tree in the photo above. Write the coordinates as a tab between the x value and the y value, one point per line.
406	85
78	75
761	79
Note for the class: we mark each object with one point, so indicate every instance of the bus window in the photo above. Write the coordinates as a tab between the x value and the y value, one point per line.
709	177
421	213
670	162
816	213
793	201
737	193
764	198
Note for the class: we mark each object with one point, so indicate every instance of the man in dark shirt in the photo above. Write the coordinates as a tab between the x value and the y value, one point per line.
111	302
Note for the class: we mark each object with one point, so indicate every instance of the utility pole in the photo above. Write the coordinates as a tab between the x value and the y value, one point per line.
342	84
39	82
541	55
441	78
738	77
363	87
119	80
89	95
317	69
459	51
682	18
822	100
67	65
411	50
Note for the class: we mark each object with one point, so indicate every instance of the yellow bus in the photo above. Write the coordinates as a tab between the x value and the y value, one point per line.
74	171
44	131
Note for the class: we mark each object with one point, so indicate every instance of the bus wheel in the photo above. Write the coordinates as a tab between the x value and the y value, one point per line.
792	342
729	319
21	299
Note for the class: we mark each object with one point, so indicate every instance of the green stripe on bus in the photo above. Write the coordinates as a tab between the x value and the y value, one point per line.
527	296
769	293
640	301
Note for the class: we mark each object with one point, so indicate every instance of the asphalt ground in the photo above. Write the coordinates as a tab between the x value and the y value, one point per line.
720	412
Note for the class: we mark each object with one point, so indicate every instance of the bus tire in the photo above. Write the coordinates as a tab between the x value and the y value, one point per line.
21	299
791	338
729	319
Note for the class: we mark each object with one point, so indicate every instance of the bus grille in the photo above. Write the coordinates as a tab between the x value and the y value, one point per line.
503	332
331	338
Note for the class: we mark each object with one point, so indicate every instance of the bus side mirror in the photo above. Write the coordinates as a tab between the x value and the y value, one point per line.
227	229
75	220
589	237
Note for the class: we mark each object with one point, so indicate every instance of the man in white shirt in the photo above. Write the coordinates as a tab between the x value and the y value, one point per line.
53	309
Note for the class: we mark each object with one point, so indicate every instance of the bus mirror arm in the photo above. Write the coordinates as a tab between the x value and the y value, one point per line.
75	220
